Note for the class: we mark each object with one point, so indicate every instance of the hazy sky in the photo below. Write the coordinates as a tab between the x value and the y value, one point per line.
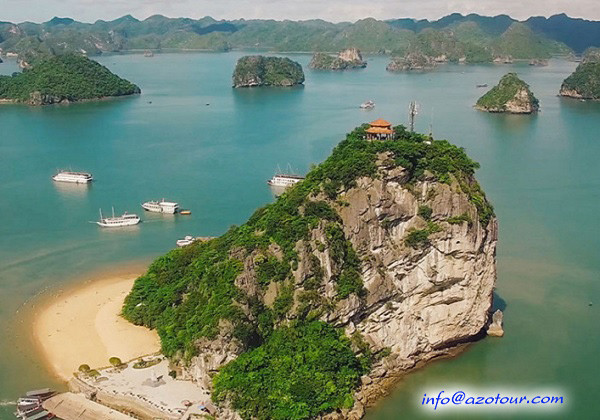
332	10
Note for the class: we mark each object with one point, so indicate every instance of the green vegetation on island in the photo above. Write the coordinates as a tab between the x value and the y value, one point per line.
298	373
584	83
256	70
510	95
65	78
292	364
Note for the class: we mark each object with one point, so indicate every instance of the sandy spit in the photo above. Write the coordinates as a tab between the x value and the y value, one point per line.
83	325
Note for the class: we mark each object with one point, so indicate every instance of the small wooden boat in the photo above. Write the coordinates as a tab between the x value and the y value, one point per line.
185	212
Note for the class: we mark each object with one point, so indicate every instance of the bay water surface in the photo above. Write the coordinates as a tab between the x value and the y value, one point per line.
191	138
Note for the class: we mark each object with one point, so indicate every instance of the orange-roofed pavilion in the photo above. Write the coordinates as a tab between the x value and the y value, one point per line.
380	130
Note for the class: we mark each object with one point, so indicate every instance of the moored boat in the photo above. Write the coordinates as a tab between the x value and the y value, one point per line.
284	180
367	105
125	219
73	177
188	240
29	406
161	206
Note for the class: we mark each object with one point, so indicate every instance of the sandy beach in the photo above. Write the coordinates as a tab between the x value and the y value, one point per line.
82	325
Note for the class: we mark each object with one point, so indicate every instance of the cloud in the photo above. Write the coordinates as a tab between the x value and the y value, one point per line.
332	10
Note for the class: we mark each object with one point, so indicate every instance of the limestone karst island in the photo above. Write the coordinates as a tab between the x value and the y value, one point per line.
382	258
63	79
256	70
584	83
511	95
299	210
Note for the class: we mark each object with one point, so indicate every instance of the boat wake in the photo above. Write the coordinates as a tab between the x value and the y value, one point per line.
7	403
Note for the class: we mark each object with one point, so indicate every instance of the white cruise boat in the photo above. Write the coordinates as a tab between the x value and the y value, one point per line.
125	219
73	177
188	240
161	206
284	180
367	105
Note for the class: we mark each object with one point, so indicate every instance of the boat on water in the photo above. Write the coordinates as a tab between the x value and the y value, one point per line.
125	219
367	105
161	206
187	240
284	180
29	406
185	212
483	85
73	177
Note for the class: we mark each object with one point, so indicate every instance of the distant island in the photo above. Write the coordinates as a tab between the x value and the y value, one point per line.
477	39
584	83
257	70
511	95
63	79
414	61
350	58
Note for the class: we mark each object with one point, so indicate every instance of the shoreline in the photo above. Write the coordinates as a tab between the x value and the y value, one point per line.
81	323
64	103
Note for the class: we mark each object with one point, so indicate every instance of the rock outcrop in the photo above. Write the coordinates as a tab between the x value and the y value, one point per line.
511	95
495	328
349	58
402	262
414	61
256	70
420	303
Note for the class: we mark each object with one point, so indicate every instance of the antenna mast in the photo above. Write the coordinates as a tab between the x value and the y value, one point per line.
431	125
413	110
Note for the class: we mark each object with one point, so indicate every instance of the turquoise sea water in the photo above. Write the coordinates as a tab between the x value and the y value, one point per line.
541	172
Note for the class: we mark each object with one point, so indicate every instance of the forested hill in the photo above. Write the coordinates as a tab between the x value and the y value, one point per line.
62	79
472	34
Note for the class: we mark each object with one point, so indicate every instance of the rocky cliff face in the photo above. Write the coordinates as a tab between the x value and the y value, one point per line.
349	58
420	301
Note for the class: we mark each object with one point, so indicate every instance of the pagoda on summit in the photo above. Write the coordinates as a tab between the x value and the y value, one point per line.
380	130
